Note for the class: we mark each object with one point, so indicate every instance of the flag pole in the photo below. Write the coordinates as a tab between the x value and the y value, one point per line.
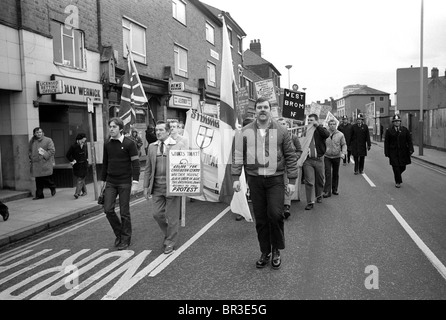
421	126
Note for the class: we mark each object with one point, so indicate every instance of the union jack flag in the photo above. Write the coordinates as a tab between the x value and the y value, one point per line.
132	95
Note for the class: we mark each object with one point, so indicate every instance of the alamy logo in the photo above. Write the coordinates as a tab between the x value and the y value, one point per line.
72	21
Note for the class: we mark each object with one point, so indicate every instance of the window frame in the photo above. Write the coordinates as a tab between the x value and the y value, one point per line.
250	86
177	60
175	11
208	24
140	57
240	45
82	58
230	34
208	74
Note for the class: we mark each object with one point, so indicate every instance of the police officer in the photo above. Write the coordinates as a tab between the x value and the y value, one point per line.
360	143
398	147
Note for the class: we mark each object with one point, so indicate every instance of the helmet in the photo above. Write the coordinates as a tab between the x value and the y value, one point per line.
360	116
344	118
396	118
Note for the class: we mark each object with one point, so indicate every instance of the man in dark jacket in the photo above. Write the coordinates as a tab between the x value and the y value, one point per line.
264	149
313	166
398	147
360	143
346	129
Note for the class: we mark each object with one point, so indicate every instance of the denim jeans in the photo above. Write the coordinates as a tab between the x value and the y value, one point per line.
121	227
267	193
331	174
314	177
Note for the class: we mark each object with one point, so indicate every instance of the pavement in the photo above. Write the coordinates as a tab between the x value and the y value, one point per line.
29	217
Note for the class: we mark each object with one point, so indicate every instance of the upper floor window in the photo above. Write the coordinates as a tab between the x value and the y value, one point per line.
372	98
180	61
250	86
210	33
381	98
134	36
68	46
230	36
179	10
240	45
211	74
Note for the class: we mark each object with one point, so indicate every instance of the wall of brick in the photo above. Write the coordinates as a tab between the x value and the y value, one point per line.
36	16
8	13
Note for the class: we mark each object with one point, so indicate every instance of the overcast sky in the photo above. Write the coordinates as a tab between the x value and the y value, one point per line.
334	43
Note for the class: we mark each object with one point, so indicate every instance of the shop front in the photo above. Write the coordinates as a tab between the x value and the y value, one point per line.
65	116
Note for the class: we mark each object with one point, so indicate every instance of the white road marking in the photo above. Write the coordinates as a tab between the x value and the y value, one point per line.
429	254
186	245
366	177
56	234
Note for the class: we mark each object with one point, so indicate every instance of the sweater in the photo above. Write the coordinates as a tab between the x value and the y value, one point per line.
120	162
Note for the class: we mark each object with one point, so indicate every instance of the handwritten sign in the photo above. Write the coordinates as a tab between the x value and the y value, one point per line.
184	173
293	104
265	89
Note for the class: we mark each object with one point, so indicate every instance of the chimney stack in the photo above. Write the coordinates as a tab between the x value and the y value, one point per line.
434	73
256	47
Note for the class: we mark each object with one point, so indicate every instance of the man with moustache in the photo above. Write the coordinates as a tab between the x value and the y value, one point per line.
265	150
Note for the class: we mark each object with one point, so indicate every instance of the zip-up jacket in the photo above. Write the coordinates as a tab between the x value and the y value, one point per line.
336	145
270	155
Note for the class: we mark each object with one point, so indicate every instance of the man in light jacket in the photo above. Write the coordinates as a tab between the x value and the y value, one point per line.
336	149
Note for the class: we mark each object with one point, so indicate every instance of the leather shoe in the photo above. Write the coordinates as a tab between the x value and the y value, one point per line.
6	216
76	196
356	172
168	249
326	195
309	206
84	194
239	218
276	262
319	199
361	172
37	198
123	245
335	193
286	211
263	261
53	191
117	241
398	185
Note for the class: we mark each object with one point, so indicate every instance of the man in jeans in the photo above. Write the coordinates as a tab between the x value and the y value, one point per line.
264	148
120	175
313	166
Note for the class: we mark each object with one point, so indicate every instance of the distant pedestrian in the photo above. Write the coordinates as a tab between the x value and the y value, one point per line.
120	175
336	150
345	127
4	211
41	152
78	157
166	208
398	147
181	140
298	149
313	160
137	140
150	136
360	143
264	149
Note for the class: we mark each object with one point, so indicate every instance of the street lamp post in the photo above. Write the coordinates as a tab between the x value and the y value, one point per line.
421	124
289	83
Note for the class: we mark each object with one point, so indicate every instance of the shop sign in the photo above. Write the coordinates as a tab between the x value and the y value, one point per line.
77	90
50	87
182	101
177	86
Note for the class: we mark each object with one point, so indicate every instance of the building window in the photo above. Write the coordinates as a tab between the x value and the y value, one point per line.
180	61
68	46
211	74
240	45
230	36
140	116
250	87
179	11
134	36
381	110
372	98
381	98
210	33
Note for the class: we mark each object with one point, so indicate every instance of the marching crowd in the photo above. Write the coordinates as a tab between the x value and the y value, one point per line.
273	175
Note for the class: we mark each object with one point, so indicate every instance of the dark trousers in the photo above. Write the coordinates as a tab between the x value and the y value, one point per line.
80	185
121	227
359	163
314	177
331	174
347	158
267	200
42	182
397	172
